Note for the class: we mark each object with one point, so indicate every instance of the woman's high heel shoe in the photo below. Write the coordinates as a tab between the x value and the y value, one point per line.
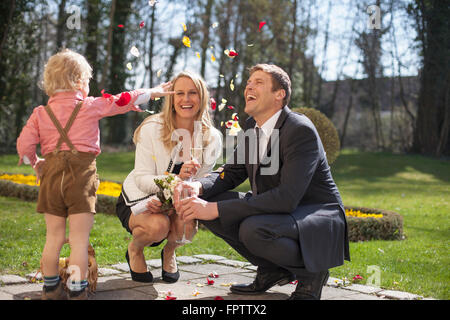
139	276
166	276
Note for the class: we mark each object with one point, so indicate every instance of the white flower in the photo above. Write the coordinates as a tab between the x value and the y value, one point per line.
167	194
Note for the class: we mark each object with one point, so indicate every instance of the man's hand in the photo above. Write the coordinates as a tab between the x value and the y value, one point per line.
195	208
192	188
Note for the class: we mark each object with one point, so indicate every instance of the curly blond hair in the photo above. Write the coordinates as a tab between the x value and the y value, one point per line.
65	70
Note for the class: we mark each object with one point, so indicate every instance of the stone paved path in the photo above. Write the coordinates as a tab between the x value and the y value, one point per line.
114	283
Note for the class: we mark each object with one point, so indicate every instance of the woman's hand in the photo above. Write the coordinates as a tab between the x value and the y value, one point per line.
189	169
154	206
162	90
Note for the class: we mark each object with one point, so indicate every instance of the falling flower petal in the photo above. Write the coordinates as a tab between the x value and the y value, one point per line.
184	27
213	103
213	58
213	275
215	25
222	175
221	75
197	54
129	67
135	51
294	282
170	298
187	41
209	282
261	24
120	25
250	45
151	3
234	116
232	85
218	298
230	107
142	24
150	111
124	99
158	74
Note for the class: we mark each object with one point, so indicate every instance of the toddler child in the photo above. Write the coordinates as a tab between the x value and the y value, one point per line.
67	129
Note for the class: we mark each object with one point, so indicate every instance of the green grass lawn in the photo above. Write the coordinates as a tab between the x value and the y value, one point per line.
416	187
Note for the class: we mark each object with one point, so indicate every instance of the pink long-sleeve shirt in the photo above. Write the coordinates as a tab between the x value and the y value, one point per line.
84	133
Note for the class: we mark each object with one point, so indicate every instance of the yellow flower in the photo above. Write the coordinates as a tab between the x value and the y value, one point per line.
359	214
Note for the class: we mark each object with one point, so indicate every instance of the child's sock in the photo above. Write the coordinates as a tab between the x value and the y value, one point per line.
51	283
77	285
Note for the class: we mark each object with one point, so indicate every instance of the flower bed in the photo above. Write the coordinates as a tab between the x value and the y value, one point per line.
24	187
373	224
363	223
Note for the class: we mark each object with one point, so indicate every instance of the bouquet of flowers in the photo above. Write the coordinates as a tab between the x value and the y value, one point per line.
166	188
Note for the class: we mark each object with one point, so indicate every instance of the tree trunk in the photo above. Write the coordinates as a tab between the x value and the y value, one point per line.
118	75
60	25
205	41
108	45
431	134
93	16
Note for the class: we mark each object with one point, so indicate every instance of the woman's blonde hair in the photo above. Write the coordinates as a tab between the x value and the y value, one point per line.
64	71
168	112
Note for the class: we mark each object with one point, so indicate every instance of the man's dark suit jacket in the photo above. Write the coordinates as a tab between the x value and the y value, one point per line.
302	187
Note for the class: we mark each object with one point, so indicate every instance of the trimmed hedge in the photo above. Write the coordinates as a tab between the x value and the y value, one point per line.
326	129
389	227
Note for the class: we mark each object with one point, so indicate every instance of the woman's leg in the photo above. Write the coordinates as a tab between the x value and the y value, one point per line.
80	226
55	238
147	228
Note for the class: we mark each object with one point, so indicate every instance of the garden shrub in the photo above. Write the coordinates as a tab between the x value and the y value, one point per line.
326	129
389	227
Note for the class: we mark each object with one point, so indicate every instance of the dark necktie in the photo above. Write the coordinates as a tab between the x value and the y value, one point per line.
255	166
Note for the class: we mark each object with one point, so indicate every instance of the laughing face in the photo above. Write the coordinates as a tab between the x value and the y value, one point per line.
186	98
260	99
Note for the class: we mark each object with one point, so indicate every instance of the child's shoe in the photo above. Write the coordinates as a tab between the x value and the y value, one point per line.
79	295
54	293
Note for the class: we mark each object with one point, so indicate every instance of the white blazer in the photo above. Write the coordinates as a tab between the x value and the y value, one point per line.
152	160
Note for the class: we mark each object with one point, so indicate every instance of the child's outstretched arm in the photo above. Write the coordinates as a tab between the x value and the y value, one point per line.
110	105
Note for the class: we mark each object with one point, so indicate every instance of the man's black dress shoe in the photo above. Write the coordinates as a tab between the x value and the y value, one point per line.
264	281
139	276
310	286
166	276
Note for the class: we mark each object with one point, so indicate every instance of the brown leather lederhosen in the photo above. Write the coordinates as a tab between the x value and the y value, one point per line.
69	179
